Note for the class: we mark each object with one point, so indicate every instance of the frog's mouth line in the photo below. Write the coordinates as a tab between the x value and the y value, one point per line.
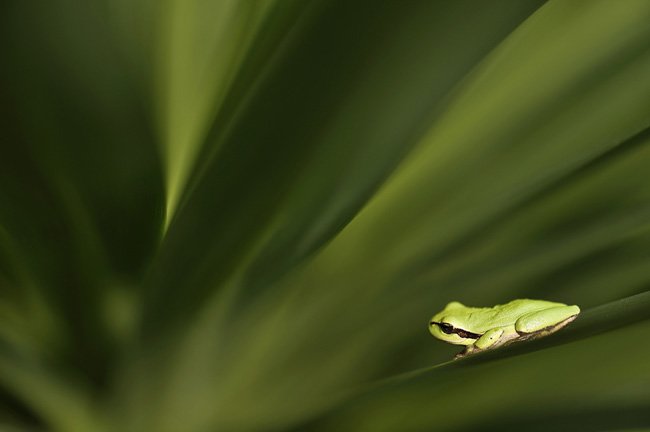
449	329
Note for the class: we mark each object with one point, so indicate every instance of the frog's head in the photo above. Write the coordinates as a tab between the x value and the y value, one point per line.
449	325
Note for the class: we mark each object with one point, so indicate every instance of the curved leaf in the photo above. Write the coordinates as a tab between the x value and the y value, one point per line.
319	158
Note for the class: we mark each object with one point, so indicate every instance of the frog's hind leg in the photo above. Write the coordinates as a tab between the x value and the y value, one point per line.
547	321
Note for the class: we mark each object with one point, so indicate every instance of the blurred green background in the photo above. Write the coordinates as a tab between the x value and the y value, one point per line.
239	215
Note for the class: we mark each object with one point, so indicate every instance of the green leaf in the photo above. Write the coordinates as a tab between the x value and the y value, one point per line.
299	174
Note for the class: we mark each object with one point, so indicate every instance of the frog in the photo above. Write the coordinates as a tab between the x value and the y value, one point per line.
486	328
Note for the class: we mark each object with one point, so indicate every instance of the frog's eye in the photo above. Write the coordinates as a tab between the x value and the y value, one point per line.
446	328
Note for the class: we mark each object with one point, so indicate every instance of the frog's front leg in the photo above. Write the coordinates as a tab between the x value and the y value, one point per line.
490	339
496	337
546	321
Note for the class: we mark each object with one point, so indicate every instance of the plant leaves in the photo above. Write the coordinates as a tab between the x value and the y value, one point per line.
240	215
81	187
314	177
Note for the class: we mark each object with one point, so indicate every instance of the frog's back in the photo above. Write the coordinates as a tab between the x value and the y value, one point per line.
507	314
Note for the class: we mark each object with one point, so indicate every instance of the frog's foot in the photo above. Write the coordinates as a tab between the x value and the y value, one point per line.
469	349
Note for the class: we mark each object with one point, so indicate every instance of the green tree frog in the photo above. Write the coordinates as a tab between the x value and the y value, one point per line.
480	329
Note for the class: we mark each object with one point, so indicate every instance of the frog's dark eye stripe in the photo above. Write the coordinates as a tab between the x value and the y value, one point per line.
449	329
466	334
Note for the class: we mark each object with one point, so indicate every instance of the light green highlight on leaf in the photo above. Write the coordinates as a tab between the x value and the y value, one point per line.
201	46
